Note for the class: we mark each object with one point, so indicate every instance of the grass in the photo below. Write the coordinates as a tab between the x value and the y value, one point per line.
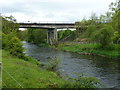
91	48
46	45
18	73
88	48
0	68
27	73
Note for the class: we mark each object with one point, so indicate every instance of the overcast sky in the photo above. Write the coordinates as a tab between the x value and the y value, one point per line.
53	10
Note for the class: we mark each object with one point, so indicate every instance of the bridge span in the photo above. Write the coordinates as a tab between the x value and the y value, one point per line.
47	25
51	27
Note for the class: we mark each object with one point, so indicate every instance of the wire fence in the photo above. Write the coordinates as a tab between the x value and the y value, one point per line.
4	83
11	78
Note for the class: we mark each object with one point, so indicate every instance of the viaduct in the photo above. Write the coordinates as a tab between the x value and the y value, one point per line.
51	28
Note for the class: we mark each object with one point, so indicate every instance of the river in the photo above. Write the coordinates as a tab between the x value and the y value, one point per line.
70	63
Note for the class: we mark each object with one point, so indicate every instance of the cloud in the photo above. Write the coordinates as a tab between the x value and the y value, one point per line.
57	10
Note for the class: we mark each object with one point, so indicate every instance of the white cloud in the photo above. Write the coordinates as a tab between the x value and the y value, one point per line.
53	10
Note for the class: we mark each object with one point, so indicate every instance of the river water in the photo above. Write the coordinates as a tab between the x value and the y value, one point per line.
106	70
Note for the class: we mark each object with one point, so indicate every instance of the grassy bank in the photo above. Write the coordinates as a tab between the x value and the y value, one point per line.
90	49
17	72
87	49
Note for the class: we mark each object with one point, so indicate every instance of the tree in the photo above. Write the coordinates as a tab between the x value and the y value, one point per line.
93	18
15	47
116	37
103	36
81	26
22	35
90	30
9	25
40	36
10	41
62	34
36	35
30	36
115	11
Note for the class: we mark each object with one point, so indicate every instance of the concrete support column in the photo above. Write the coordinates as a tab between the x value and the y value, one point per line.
48	35
55	35
52	36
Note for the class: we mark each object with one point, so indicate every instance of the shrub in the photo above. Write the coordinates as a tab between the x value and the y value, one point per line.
90	30
116	37
82	82
4	40
52	64
103	36
15	47
13	44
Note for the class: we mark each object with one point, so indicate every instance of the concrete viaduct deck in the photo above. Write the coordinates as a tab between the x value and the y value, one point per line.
51	27
47	25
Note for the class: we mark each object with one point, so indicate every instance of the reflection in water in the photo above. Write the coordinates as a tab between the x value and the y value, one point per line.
104	69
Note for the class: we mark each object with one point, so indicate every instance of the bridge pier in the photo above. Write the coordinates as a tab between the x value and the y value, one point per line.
52	36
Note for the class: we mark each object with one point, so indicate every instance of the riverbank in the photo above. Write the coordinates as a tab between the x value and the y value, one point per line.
86	49
18	73
90	49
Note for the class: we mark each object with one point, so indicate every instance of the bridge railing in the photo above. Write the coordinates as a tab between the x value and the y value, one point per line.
47	22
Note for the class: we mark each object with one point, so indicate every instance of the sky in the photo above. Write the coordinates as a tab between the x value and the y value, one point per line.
53	10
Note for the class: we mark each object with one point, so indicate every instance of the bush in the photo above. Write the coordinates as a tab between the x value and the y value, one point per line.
103	36
10	41
90	30
116	37
15	47
13	44
82	82
4	41
52	64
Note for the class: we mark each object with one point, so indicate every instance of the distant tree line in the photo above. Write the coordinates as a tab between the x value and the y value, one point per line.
104	29
35	36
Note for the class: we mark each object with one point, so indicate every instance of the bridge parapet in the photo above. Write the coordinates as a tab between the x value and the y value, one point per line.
47	25
47	22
